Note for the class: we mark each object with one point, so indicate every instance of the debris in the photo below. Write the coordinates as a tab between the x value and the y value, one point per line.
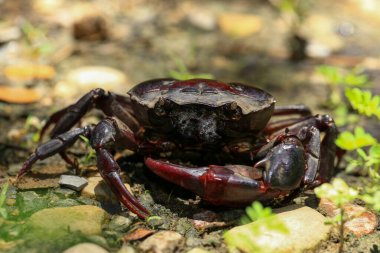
137	234
239	25
29	72
18	95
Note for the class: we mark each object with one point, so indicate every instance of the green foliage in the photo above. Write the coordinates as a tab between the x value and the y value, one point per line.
254	212
351	141
3	196
182	73
33	125
91	154
257	221
364	102
338	76
36	40
338	192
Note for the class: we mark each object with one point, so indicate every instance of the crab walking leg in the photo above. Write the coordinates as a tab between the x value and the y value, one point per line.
102	139
54	146
108	102
301	110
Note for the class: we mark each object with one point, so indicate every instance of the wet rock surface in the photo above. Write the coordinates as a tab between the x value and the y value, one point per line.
86	219
306	227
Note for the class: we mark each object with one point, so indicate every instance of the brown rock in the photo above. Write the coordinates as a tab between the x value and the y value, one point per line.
163	241
360	221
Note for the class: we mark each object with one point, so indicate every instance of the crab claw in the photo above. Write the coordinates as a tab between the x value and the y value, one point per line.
233	185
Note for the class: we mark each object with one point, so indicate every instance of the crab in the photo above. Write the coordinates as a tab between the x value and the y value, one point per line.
173	123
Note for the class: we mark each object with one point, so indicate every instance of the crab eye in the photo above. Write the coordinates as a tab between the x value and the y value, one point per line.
233	111
159	107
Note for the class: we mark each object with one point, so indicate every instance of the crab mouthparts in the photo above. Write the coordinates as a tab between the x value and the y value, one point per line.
198	126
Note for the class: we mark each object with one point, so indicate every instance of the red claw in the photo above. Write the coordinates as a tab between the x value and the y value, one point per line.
220	185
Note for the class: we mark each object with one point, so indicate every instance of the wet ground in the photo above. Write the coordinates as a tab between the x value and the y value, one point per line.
140	40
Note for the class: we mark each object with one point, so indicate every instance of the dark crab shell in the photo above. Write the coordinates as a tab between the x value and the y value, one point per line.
204	92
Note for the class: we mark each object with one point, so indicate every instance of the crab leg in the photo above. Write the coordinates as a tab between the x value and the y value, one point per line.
54	146
104	136
108	102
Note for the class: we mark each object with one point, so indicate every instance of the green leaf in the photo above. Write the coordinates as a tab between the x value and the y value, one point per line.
364	102
352	141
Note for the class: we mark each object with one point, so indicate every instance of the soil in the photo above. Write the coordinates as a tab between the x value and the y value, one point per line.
150	39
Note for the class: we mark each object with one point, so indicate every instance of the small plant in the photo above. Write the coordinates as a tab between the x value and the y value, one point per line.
340	194
182	73
3	196
257	221
364	102
336	77
90	152
33	125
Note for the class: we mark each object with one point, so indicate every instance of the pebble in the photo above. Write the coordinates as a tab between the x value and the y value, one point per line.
197	250
163	241
119	223
84	218
126	249
361	221
99	190
83	79
306	226
73	182
85	247
239	25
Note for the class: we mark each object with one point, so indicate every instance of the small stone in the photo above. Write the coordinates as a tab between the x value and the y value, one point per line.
163	241
198	250
306	227
85	247
360	221
81	80
65	192
73	182
193	242
86	219
99	190
126	249
239	25
119	223
202	18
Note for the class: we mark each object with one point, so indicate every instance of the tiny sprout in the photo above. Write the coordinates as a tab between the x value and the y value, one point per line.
256	211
